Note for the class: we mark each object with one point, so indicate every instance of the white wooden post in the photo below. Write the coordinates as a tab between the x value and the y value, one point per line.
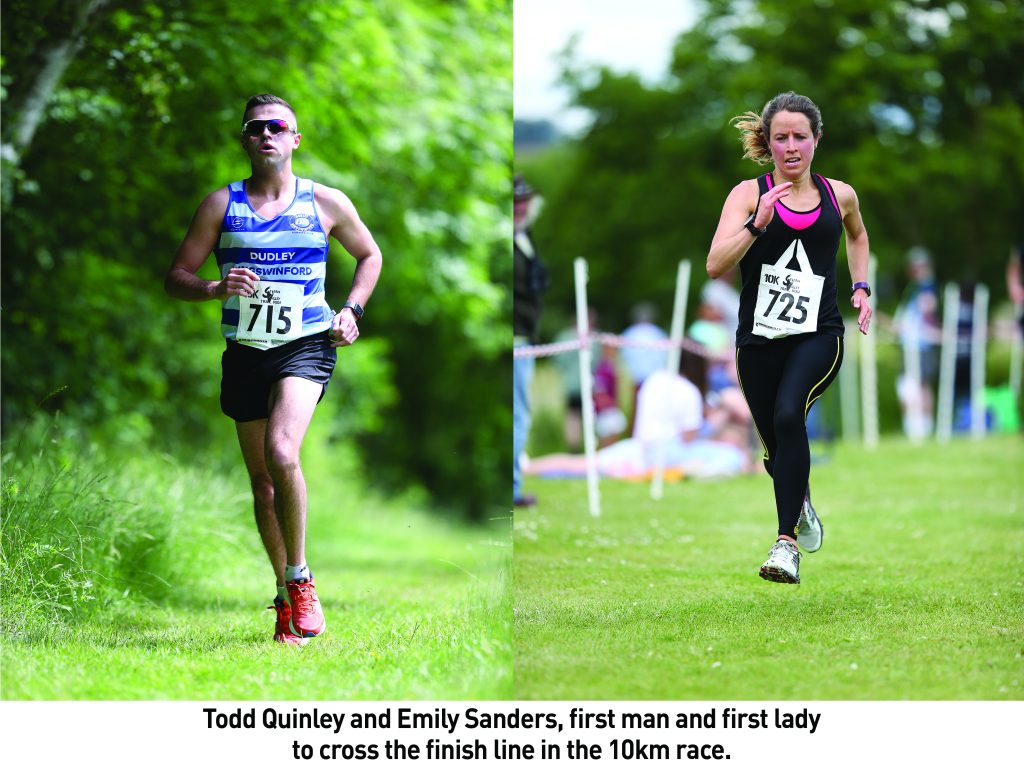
869	374
676	332
947	363
849	407
910	383
979	338
677	329
587	386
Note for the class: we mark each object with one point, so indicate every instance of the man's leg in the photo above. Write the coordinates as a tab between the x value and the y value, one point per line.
251	437
292	401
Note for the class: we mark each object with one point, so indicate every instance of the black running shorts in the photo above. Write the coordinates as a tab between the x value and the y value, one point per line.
248	373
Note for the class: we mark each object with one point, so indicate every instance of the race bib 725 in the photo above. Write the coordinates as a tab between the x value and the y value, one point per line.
787	300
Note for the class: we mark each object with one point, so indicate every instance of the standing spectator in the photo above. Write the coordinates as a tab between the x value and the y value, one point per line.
530	281
1015	283
917	323
720	295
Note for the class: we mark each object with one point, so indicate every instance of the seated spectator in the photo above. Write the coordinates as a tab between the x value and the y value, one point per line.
610	422
670	432
639	360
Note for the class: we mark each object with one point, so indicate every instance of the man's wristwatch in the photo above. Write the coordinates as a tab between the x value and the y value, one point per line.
755	231
861	285
356	309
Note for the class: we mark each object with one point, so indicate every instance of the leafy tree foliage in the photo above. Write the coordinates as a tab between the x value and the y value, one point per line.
922	110
405	106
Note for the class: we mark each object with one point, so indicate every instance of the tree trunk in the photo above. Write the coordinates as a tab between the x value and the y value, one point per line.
27	112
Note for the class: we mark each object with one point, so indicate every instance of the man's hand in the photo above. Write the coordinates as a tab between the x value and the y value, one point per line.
344	330
238	282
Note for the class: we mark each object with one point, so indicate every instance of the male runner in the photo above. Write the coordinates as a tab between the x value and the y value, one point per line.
269	234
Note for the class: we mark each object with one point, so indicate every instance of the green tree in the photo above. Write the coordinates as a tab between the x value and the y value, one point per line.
922	107
406	106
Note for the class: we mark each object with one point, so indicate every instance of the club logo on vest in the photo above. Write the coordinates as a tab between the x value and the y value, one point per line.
301	222
236	222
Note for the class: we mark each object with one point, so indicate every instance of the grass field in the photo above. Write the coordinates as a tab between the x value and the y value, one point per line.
917	592
417	606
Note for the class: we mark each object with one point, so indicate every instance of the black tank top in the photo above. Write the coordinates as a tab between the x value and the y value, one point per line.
819	230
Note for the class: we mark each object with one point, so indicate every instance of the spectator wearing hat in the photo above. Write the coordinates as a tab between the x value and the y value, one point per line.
530	281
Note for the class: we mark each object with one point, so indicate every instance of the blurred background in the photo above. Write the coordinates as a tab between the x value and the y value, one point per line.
119	117
622	124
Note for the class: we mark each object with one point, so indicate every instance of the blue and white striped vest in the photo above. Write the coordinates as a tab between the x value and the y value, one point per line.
289	254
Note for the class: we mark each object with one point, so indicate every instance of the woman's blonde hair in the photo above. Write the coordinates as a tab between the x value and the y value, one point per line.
754	128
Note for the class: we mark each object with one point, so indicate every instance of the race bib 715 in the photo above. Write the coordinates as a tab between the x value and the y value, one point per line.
272	315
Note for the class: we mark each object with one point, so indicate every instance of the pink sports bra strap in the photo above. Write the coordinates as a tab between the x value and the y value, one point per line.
830	194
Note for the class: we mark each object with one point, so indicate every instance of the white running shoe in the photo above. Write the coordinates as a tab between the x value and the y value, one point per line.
809	530
783	564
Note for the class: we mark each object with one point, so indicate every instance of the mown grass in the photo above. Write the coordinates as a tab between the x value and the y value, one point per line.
164	586
917	592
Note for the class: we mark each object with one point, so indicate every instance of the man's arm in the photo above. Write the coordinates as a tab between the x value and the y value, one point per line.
181	281
347	228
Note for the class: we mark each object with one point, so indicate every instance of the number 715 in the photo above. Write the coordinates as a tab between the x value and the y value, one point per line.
284	322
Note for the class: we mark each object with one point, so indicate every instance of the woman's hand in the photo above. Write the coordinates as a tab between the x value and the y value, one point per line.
860	301
766	204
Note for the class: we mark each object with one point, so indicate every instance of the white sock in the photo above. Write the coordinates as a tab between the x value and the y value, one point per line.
292	573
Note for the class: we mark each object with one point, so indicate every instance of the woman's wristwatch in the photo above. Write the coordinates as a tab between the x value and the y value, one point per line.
755	231
861	285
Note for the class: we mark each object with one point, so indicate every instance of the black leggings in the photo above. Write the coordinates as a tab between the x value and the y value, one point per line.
780	381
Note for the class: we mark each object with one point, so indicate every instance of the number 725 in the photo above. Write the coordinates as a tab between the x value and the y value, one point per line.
789	300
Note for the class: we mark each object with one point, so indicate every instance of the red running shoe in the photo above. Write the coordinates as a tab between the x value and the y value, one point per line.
282	630
307	619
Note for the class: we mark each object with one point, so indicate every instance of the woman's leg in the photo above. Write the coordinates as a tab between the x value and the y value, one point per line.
811	365
759	370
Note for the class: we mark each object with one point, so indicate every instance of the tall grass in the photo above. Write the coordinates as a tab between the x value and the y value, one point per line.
139	577
82	530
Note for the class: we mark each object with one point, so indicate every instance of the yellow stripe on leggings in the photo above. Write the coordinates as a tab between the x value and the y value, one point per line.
811	400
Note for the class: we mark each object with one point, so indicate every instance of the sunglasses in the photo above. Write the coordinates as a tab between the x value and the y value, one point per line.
274	125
